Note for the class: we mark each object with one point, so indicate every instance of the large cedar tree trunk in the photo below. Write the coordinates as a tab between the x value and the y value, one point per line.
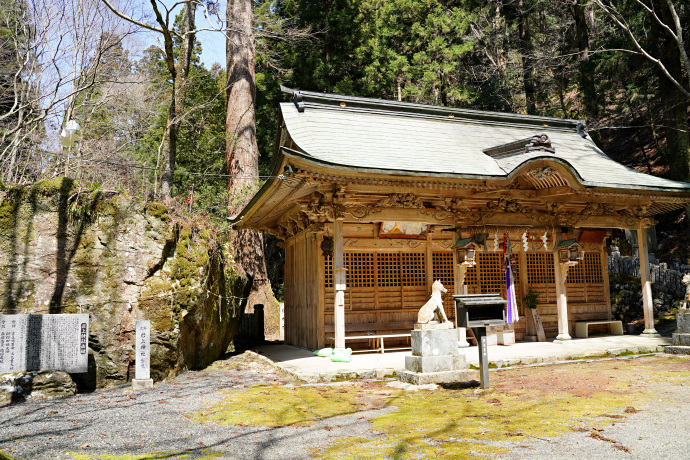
242	152
675	104
585	67
527	52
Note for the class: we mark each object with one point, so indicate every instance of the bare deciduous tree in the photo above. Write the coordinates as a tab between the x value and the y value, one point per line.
51	54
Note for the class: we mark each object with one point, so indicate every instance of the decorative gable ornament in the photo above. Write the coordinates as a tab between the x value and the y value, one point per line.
570	252
540	143
466	252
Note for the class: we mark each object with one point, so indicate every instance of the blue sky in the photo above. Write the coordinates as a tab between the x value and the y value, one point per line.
212	43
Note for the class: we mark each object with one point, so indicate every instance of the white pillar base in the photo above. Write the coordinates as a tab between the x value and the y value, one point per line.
462	338
142	384
563	337
650	333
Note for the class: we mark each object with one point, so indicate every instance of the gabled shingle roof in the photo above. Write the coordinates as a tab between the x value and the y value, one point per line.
371	134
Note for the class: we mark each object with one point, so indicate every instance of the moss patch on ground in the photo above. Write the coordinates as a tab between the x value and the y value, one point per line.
523	404
274	405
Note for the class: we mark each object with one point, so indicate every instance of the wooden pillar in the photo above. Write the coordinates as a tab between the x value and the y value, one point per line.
429	255
459	288
339	280
647	299
605	278
561	273
320	293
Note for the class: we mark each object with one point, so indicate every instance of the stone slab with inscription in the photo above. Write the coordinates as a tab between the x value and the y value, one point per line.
38	342
142	369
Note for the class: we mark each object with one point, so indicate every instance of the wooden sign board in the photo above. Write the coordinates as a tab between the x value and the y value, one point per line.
536	320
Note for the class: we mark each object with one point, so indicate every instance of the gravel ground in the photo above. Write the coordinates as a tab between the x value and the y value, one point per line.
658	431
119	421
122	422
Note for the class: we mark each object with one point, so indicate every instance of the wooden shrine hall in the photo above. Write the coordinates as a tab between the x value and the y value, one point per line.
375	200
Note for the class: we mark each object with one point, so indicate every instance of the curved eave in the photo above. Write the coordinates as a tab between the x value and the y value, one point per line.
263	194
291	153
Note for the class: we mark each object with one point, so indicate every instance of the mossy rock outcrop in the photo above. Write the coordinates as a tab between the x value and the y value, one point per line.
21	386
119	259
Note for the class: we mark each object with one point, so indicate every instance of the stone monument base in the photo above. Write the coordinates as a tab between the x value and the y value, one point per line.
435	357
142	384
681	338
677	349
422	378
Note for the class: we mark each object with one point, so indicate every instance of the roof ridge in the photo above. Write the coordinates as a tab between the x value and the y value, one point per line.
307	99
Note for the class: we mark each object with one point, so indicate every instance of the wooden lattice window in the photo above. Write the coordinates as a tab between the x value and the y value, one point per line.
360	269
576	274
540	268
413	269
471	276
389	269
443	269
491	276
328	271
593	268
586	271
493	279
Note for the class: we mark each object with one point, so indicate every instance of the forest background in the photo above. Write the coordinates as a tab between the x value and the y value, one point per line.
158	124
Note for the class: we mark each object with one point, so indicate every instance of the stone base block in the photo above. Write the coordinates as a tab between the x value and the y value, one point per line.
142	384
529	338
434	363
506	337
683	320
677	350
491	338
422	378
433	325
681	339
434	342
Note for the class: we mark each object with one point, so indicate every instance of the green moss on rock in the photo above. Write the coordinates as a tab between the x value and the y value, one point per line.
53	187
158	211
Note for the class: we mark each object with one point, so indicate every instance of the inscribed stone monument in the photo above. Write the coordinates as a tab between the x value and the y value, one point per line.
38	342
142	368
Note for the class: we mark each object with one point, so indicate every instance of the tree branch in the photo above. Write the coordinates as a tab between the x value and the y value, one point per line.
130	19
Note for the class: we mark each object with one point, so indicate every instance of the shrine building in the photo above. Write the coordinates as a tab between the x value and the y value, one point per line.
373	200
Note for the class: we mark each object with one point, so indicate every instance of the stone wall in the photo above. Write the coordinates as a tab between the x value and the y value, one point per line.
119	259
626	289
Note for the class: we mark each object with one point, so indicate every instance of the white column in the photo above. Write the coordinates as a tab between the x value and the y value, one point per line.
561	273
647	299
339	277
461	289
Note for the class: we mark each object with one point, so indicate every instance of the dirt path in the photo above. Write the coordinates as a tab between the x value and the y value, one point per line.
628	408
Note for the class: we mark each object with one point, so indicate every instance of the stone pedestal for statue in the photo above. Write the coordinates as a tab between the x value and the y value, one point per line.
681	338
435	357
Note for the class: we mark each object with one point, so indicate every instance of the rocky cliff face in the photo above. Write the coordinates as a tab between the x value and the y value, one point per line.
119	259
